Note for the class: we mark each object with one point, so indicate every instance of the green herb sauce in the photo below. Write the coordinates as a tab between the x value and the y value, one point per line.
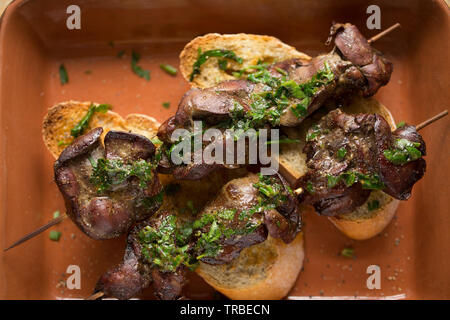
63	76
84	122
174	243
108	173
404	151
135	57
368	181
203	57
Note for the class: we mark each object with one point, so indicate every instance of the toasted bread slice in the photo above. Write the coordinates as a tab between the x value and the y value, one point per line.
251	48
62	117
266	271
363	223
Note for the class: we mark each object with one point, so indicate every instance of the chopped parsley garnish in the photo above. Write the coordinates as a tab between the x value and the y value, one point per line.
373	205
313	133
108	173
169	69
63	76
404	151
166	105
62	143
310	187
135	57
56	214
220	53
305	91
332	181
300	111
368	181
161	248
120	53
173	244
341	153
223	64
55	235
348	253
84	122
401	124
156	141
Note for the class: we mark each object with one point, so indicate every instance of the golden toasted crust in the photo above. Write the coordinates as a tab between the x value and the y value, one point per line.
142	124
266	271
367	225
251	48
62	117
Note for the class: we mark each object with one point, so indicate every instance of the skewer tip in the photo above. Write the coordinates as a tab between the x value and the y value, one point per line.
53	222
384	32
96	295
431	120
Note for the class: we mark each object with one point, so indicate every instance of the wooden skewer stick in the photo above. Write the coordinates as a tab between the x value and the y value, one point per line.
96	295
383	33
37	231
431	120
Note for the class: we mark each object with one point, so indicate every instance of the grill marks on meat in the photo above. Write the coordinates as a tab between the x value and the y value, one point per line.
356	67
112	213
364	137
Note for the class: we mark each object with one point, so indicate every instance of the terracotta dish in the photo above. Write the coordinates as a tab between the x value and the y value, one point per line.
413	252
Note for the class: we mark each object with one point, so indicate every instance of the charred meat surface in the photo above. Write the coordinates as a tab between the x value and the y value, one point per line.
162	248
282	94
106	189
350	155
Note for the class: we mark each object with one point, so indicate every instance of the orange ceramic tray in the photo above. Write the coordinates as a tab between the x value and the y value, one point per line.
413	252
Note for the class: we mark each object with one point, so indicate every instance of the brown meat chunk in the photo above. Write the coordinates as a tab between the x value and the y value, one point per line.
109	213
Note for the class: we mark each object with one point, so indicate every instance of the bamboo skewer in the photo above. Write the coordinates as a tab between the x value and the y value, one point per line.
37	231
431	120
384	32
95	296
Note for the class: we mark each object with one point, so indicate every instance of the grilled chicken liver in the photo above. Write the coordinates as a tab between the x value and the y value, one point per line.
348	156
134	273
102	196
